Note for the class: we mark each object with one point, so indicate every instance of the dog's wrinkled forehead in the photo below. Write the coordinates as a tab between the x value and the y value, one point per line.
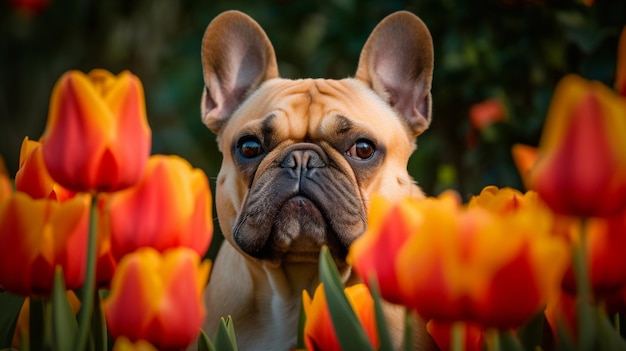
314	109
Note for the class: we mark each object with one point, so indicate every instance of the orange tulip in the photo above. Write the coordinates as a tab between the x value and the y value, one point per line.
524	157
97	137
388	228
319	333
171	206
620	74
605	244
505	201
581	170
123	344
473	336
158	297
477	266
6	188
38	235
33	178
561	311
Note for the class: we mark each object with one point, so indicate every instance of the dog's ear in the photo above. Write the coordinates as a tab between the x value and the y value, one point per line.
397	63
237	57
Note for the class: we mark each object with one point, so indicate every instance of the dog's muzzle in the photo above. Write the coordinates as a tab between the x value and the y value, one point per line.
298	205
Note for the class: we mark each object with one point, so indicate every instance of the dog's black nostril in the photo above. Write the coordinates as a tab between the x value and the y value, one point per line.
303	160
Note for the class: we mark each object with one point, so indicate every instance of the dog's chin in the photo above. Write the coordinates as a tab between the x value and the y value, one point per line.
299	232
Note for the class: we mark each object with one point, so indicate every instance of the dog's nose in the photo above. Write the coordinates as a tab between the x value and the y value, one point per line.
301	161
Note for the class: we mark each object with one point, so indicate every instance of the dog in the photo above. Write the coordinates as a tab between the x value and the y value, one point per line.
301	159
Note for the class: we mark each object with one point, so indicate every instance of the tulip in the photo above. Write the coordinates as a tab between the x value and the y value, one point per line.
38	235
158	297
388	228
6	189
33	178
473	336
620	74
561	312
605	243
524	157
97	137
170	207
473	265
581	170
504	201
319	333
106	263
123	344
486	113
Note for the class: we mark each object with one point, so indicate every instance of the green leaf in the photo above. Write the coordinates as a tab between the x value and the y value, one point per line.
350	333
509	342
531	333
64	325
10	305
381	321
98	325
609	338
204	344
36	324
225	336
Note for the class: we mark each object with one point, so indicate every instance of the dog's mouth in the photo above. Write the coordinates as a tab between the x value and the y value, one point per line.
289	215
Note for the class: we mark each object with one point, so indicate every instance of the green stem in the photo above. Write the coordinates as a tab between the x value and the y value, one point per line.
586	326
408	329
88	290
458	336
494	336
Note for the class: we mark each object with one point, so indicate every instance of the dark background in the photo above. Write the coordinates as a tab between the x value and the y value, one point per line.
514	51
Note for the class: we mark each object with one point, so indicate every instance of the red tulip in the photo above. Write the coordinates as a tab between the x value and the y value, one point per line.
581	169
97	137
38	235
319	333
6	188
158	297
525	158
388	228
473	336
491	267
605	244
123	344
486	113
169	207
33	178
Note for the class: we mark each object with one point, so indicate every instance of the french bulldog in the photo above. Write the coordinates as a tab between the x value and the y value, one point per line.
301	159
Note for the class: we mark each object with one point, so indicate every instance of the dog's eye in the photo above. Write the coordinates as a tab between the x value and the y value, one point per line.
250	147
361	150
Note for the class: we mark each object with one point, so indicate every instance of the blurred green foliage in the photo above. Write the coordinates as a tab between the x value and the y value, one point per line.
513	50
